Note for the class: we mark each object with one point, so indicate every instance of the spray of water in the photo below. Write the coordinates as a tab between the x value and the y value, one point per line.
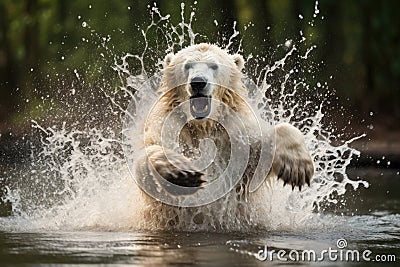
78	179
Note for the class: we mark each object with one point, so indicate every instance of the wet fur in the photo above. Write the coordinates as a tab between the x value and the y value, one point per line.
292	162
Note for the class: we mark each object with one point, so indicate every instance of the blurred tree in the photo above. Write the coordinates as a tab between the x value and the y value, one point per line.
357	41
10	55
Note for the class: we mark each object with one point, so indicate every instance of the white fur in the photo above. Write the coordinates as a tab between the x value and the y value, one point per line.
292	161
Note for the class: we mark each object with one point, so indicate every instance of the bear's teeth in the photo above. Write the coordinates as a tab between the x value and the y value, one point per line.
200	111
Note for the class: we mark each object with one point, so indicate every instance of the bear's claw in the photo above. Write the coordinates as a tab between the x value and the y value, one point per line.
186	178
292	162
175	168
296	172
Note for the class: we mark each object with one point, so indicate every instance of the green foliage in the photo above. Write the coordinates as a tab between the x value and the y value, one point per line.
358	41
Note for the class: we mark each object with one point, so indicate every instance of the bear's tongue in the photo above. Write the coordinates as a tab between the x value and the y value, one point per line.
200	106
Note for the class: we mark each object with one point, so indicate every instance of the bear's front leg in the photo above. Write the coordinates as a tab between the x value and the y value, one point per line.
292	162
169	165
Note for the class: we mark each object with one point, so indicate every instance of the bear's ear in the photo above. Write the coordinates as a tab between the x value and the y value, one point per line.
239	61
168	59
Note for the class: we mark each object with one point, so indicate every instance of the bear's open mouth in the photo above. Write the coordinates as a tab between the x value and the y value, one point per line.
200	106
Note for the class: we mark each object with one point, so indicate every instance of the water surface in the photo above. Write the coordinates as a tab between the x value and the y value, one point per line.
370	220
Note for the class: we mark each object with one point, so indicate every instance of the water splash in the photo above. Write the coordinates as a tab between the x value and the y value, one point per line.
78	179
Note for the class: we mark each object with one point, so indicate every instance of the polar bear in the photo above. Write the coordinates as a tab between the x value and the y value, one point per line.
199	75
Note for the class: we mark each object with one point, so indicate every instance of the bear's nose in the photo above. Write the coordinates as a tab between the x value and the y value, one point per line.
198	83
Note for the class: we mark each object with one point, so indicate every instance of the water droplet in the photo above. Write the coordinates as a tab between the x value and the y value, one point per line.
371	113
31	69
300	16
129	8
76	73
316	10
79	17
378	161
288	43
84	24
62	57
318	84
90	6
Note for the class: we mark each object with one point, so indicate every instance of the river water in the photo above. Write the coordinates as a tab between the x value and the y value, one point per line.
371	220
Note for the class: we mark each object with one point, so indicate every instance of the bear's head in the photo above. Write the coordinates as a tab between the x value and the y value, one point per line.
203	72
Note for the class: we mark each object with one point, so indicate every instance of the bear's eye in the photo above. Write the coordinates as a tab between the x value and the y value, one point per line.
213	66
188	65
